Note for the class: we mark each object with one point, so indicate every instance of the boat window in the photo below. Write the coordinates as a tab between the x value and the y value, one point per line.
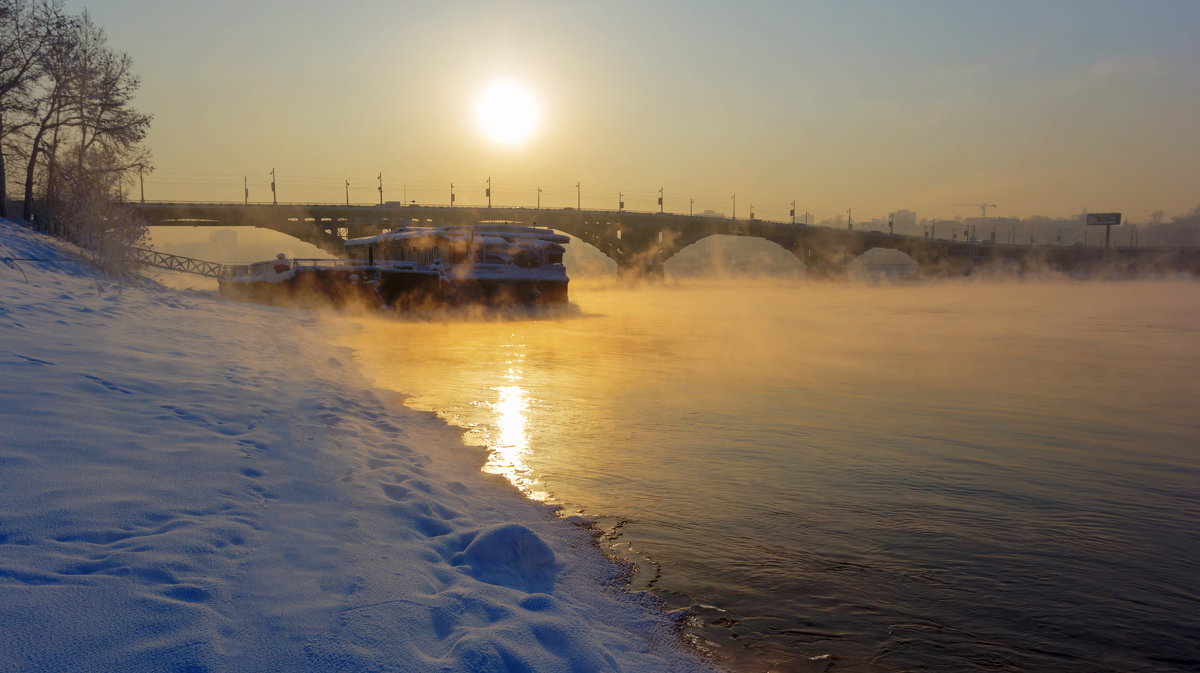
526	258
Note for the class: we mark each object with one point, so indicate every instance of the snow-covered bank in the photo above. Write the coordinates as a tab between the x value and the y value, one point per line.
190	484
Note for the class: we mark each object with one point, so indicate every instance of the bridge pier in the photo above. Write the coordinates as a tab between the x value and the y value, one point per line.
652	270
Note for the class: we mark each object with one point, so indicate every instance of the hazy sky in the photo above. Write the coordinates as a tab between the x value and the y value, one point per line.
1041	107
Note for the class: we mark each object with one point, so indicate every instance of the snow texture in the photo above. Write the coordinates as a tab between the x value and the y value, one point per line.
196	485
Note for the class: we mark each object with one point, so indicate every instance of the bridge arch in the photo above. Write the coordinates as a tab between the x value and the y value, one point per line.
883	263
730	254
584	258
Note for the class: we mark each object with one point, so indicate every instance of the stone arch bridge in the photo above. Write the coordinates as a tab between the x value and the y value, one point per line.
640	243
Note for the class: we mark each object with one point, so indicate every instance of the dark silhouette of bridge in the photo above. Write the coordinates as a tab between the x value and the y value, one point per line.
640	243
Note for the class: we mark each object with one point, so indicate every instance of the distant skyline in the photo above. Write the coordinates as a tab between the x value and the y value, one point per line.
1042	108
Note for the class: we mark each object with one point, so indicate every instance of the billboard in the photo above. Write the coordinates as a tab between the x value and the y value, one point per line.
1104	218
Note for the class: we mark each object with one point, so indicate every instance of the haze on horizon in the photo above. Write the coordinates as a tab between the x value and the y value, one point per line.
1039	107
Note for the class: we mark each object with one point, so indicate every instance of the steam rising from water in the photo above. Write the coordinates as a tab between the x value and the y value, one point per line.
935	443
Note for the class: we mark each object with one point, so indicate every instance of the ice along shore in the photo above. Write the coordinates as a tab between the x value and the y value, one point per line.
191	484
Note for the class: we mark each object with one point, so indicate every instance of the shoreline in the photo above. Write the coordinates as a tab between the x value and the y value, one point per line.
190	454
627	571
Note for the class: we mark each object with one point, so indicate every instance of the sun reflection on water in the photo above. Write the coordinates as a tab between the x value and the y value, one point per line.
509	444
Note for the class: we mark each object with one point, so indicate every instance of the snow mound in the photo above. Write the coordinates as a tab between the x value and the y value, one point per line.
509	555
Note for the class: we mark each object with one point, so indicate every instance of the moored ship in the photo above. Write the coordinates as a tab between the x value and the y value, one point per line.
495	263
337	282
492	263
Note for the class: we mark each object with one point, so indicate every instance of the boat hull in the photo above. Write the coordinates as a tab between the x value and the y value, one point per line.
505	292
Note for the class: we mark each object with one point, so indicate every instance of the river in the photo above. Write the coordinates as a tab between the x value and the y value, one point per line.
998	476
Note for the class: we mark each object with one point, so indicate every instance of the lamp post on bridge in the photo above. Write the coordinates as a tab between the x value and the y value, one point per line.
347	192
380	189
451	194
539	200
793	213
246	189
620	202
489	191
660	200
578	197
734	197
274	200
691	205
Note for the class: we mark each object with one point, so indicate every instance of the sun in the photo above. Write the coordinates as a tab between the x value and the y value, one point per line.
507	113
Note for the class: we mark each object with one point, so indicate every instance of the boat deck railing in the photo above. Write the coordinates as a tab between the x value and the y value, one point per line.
274	265
353	263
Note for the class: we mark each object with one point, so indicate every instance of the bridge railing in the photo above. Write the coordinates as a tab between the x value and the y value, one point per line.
162	260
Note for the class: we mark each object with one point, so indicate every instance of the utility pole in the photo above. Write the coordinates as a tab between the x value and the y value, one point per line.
539	198
274	200
142	183
620	202
850	219
246	189
793	213
489	191
734	197
660	200
451	194
578	197
691	205
347	192
380	188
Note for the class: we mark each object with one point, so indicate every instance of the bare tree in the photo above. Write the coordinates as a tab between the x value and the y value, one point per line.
84	129
46	109
104	122
26	29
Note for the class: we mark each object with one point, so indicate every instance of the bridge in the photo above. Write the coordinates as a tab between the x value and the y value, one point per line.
640	243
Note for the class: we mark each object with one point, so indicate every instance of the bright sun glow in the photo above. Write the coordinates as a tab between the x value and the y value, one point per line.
507	113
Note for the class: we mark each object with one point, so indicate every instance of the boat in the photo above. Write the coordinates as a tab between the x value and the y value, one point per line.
493	262
336	282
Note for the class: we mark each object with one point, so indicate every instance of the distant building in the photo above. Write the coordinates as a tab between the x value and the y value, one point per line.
904	220
711	213
227	237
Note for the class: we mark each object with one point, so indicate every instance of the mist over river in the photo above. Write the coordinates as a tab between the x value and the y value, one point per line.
999	476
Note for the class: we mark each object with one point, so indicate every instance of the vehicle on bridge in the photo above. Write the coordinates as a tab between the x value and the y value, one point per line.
493	262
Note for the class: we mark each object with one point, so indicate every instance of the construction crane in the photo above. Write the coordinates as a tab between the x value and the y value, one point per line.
981	206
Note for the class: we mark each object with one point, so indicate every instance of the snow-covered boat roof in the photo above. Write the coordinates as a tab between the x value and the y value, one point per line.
497	233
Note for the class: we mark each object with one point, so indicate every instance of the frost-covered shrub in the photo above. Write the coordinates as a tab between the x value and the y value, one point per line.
84	213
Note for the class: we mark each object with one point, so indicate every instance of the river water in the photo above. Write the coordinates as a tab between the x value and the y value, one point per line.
999	476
